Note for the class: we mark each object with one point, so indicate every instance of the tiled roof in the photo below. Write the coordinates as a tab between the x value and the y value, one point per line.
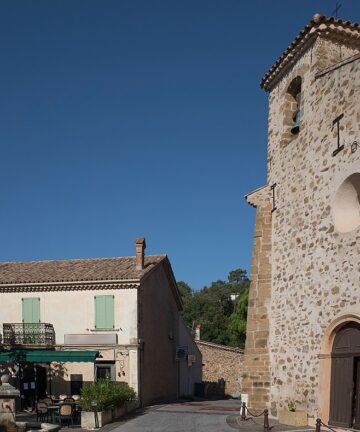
96	269
219	347
319	25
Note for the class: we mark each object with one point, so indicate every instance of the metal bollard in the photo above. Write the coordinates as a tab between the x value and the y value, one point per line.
243	411
96	418
266	421
318	425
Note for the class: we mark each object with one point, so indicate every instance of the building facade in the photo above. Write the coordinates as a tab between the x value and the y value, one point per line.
70	322
304	304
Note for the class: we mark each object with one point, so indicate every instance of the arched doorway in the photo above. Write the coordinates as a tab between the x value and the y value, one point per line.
345	377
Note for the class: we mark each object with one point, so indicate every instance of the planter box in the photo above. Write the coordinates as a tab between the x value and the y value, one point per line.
88	419
107	416
293	418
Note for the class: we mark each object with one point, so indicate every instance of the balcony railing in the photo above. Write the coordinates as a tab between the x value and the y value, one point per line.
38	334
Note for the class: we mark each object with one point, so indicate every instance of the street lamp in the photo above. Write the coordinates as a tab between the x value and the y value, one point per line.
233	298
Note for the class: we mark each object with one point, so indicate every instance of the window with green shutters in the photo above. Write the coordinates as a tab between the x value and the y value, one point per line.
31	310
104	312
31	319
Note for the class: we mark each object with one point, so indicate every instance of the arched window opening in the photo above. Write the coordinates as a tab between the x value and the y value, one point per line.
346	205
294	100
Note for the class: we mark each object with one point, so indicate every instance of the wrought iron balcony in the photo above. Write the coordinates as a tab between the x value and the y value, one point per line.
34	334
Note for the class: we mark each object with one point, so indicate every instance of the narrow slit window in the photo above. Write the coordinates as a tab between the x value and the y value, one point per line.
273	197
294	92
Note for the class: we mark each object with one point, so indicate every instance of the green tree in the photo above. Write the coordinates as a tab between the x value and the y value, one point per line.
237	320
237	276
184	289
222	320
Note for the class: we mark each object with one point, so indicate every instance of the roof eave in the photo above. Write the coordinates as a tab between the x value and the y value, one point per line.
319	25
259	196
273	76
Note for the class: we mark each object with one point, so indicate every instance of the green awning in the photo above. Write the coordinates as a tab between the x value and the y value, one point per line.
48	356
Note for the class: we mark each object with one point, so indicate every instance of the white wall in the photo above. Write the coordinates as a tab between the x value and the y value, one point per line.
189	373
73	312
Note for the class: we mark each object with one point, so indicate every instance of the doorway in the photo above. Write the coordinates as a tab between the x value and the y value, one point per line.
28	392
33	384
345	378
41	382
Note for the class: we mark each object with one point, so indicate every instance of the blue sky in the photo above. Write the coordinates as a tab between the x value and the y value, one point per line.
132	118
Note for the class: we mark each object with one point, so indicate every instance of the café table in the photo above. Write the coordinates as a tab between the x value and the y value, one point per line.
53	408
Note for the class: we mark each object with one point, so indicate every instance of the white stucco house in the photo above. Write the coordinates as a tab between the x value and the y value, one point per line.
68	322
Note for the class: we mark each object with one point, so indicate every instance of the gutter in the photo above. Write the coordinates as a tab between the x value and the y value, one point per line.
74	282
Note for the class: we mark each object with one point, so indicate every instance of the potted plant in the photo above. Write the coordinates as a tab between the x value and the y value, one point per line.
103	401
291	416
291	406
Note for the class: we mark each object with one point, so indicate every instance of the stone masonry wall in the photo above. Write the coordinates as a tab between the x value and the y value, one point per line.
221	362
255	378
315	267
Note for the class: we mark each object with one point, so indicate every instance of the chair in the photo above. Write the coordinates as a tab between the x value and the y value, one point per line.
70	400
47	400
42	412
65	413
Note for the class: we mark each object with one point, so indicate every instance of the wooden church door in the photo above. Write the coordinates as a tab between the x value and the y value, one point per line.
341	391
345	378
357	394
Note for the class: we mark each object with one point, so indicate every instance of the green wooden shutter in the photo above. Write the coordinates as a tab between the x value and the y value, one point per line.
110	322
104	312
31	310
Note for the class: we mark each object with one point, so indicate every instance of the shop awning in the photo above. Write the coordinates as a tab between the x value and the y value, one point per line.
47	356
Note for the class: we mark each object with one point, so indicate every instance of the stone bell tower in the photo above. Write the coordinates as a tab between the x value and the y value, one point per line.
306	250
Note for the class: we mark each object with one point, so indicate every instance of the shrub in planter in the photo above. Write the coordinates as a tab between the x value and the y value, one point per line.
106	394
291	406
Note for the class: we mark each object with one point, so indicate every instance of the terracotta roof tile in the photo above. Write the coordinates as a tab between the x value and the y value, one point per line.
220	347
119	268
319	25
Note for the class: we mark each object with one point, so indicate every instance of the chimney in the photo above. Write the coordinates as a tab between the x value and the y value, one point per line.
140	252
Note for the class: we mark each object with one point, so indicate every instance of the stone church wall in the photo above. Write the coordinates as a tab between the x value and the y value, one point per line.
315	267
255	377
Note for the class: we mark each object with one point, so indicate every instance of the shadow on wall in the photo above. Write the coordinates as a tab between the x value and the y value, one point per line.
211	389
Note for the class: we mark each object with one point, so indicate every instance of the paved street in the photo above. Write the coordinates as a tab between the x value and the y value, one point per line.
183	417
209	416
206	416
